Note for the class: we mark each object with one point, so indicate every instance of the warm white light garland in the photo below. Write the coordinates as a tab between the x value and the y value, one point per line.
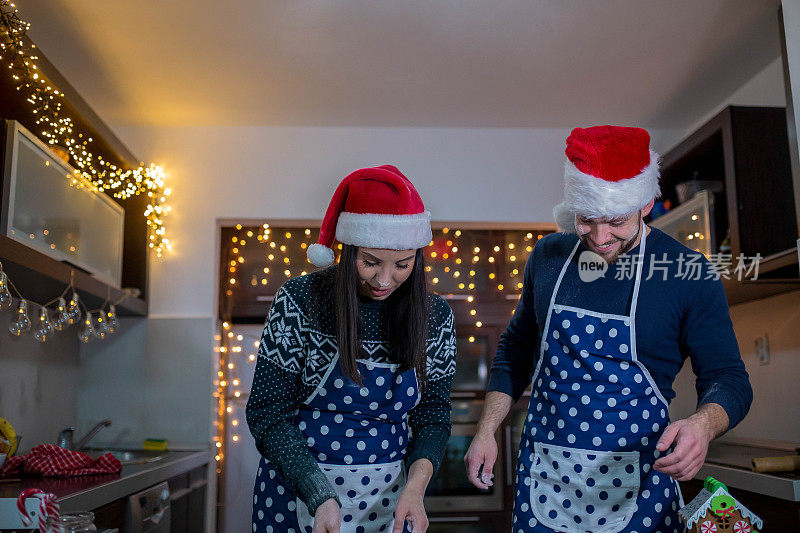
60	133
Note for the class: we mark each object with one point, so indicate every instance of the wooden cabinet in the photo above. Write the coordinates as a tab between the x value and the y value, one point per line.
40	276
747	150
111	516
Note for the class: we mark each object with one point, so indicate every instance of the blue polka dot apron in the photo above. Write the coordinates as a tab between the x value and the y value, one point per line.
593	421
359	437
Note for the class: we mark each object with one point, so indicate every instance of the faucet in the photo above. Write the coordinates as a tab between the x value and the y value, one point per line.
65	437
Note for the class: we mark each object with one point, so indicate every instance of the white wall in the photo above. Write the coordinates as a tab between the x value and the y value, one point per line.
764	89
507	175
775	411
791	23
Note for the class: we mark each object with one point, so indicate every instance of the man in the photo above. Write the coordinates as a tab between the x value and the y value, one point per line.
604	323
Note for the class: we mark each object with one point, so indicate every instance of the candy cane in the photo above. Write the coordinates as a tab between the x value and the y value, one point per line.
48	507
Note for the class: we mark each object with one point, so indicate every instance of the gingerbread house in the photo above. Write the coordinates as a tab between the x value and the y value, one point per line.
714	510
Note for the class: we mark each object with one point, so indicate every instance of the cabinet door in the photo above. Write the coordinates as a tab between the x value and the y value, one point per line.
178	503
111	516
196	500
482	523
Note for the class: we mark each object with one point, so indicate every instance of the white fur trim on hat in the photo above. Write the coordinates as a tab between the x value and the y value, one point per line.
320	255
594	197
565	219
393	232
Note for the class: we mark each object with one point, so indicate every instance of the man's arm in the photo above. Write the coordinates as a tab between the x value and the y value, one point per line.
723	387
691	437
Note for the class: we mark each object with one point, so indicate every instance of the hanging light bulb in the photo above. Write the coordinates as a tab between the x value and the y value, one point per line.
5	296
100	328
22	323
87	330
74	311
62	316
44	330
112	323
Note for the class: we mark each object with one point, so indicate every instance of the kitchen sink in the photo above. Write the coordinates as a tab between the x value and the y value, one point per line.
129	457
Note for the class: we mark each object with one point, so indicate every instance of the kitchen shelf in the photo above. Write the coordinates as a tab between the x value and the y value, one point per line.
747	150
41	278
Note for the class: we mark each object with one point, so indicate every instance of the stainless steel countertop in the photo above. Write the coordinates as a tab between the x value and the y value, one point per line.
729	461
83	493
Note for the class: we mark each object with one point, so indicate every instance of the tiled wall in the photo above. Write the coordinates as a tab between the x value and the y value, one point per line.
38	383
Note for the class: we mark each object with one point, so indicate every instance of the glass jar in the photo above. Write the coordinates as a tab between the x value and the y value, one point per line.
72	523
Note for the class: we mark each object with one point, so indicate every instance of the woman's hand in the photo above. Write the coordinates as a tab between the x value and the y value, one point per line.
410	509
327	517
409	506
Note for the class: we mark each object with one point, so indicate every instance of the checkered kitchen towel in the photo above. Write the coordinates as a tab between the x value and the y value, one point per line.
53	461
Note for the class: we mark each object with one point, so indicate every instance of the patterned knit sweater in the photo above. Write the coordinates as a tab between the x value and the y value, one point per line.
296	349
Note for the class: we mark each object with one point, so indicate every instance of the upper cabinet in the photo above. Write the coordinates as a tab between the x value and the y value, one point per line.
743	154
57	229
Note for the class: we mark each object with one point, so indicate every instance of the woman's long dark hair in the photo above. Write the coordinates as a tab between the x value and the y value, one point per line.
405	317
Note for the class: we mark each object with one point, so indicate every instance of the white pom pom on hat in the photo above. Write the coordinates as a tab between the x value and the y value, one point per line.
374	207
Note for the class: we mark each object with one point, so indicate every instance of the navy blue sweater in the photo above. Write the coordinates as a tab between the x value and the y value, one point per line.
676	319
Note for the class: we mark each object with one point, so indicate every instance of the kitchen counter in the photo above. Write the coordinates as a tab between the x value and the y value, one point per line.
729	461
84	493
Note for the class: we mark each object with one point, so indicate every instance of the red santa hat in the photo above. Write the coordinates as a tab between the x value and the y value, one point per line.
610	173
374	207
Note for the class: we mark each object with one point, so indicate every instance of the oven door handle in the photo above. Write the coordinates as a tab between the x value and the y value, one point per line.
434	519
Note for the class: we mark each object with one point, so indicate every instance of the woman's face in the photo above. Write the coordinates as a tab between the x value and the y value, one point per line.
381	271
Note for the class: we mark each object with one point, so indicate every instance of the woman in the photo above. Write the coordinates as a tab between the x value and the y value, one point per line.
350	405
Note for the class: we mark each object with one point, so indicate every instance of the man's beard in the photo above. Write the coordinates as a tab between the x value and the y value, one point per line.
624	248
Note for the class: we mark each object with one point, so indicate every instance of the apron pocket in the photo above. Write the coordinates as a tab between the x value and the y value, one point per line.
368	494
583	490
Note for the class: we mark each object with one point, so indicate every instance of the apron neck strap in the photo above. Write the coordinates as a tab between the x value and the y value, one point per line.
639	268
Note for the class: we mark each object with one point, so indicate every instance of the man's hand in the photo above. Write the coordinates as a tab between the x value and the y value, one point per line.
691	437
482	451
410	509
327	517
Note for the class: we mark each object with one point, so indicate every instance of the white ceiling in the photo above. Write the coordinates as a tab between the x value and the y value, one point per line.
447	63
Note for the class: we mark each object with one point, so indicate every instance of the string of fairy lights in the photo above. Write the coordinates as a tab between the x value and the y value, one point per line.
93	323
258	259
60	132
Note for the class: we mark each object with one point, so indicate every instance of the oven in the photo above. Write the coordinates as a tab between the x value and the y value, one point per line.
475	349
451	491
478	523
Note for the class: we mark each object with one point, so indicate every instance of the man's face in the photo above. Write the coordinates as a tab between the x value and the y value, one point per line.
610	238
